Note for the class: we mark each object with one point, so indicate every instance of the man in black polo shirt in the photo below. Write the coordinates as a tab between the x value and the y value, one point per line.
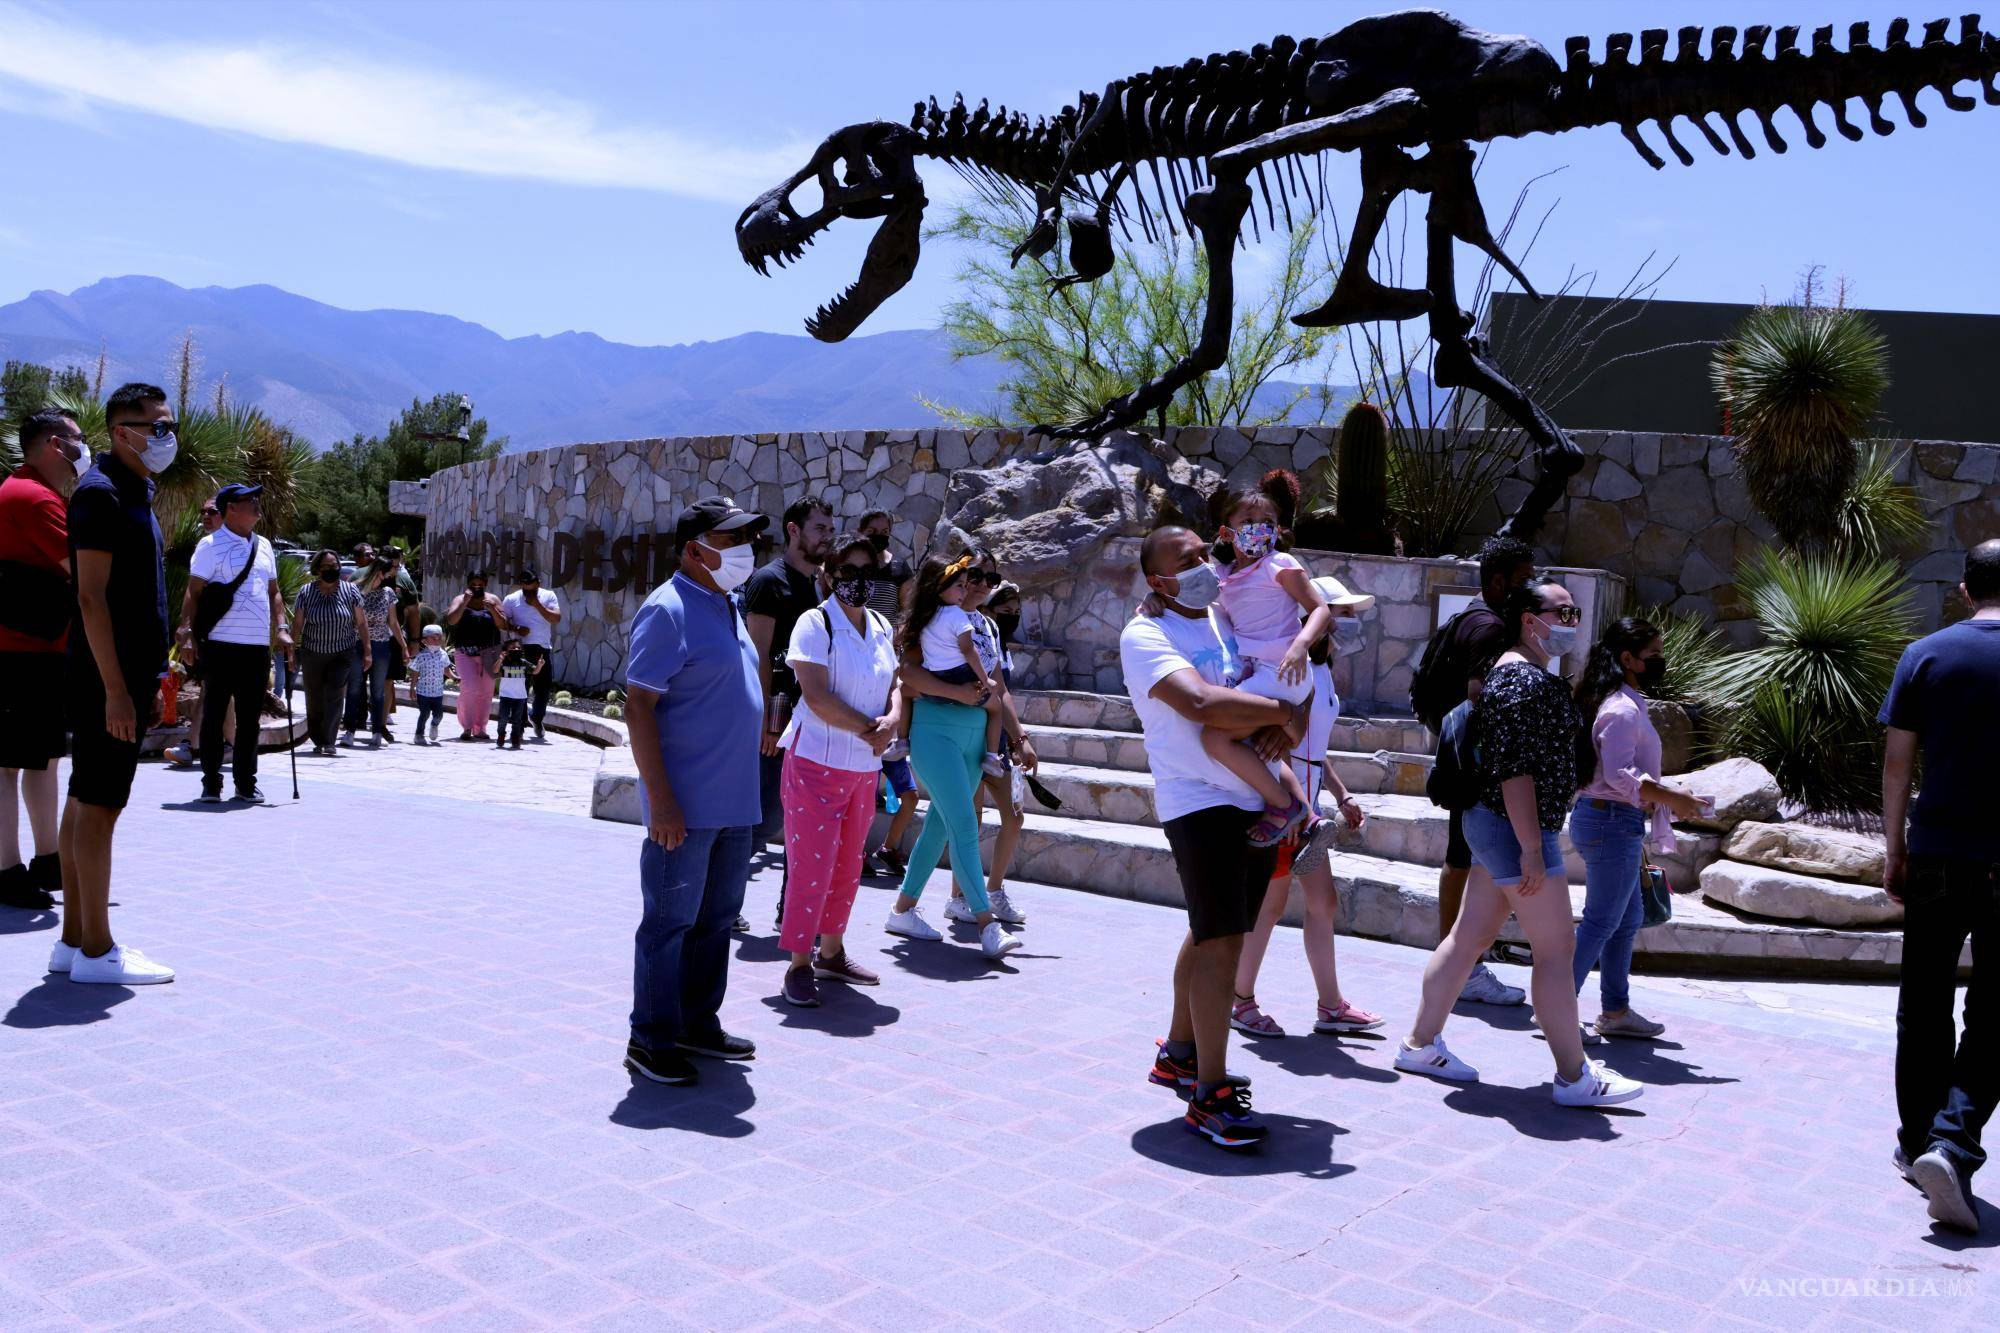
773	600
117	649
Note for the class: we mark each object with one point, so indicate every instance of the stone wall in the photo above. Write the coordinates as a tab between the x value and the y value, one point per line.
1667	515
1670	513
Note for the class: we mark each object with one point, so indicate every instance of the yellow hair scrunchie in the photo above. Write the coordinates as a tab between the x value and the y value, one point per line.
956	567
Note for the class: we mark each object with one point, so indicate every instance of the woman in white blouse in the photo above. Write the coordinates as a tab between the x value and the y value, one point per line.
844	656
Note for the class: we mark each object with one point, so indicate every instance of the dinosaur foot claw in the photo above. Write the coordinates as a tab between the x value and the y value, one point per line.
1366	302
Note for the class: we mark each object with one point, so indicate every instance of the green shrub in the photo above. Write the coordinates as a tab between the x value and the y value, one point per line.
1879	515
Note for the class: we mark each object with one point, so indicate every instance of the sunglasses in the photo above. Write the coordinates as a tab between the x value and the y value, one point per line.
159	430
981	577
211	513
1566	615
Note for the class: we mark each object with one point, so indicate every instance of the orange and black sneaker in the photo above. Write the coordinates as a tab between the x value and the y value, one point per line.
1224	1117
1179	1074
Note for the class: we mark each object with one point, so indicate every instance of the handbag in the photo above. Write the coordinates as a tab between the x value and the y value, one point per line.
1656	895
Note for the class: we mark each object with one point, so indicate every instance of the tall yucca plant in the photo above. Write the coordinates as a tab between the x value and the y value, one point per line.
1803	702
1879	515
1799	383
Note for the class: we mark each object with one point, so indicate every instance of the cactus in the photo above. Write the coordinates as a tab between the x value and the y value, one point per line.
613	711
562	698
1363	486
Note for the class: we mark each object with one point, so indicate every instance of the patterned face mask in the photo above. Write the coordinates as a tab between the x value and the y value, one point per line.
1255	540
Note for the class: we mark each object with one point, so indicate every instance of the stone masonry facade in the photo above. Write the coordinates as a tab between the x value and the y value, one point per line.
1668	516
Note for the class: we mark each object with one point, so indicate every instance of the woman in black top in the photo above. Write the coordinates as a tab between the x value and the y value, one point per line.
1524	727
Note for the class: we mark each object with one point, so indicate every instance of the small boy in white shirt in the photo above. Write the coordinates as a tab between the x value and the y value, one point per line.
427	674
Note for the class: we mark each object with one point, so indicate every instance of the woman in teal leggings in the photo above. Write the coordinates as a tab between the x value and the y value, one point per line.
947	744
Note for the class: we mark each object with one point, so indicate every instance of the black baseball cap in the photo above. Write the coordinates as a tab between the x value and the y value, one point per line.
715	514
235	491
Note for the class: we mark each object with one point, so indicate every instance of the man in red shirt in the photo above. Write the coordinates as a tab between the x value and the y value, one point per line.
36	602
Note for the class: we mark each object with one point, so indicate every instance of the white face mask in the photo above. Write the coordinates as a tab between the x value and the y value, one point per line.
1198	588
158	455
81	462
1347	635
737	563
1561	640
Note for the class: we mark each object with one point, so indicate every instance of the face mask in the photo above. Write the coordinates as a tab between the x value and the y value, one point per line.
1652	672
1561	640
1255	540
850	589
81	462
1008	623
1347	635
329	576
879	540
1199	587
158	455
737	563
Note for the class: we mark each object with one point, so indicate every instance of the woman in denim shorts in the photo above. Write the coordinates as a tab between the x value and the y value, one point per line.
1524	725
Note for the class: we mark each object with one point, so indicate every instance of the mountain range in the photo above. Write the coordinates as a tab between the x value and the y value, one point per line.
330	373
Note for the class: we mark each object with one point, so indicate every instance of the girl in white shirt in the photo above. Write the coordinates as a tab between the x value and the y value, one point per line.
946	630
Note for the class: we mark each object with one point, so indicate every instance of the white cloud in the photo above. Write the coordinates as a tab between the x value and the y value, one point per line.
400	113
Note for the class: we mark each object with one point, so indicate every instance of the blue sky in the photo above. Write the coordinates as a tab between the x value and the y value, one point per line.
543	167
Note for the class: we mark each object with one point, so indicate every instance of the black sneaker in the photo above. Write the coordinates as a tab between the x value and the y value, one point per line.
659	1066
1224	1117
893	859
1168	1072
18	889
45	872
1945	1184
212	795
252	796
720	1046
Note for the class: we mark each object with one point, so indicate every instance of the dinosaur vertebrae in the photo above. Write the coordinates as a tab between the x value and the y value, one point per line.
1760	78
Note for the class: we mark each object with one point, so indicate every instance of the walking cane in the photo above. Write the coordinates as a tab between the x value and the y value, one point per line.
291	734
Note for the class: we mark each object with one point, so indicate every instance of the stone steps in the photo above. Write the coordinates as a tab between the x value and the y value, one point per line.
1382	898
1043	711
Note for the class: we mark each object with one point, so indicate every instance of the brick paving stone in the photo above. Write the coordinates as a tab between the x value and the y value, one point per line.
428	1126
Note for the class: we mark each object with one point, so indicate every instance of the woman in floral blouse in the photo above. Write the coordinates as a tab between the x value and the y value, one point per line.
1524	729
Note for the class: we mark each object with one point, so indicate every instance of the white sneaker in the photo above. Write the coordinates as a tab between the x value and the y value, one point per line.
1004	910
182	754
995	942
347	738
120	967
911	925
957	909
1435	1060
1599	1085
1482	987
1944	1185
63	956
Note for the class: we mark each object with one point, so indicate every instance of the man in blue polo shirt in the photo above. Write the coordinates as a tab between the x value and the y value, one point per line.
1944	705
695	710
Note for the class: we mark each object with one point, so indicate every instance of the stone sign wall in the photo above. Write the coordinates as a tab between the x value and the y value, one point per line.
1667	515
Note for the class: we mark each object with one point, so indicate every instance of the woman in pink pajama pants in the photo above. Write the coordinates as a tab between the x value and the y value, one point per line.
474	618
845	659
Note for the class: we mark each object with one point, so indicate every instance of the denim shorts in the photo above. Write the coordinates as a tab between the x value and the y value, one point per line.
1495	847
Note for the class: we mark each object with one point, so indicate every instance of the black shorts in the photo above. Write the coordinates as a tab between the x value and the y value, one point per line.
31	712
1457	851
101	766
1223	878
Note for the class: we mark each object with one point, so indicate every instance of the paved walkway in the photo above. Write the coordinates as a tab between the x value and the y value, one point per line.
386	1092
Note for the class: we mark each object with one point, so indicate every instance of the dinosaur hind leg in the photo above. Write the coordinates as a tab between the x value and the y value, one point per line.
1357	298
1216	212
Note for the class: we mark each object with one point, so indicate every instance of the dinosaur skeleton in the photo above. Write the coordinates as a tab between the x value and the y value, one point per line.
1198	134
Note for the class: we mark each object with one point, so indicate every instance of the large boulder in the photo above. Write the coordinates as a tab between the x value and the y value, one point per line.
1676	730
1762	891
1044	517
1827	853
1742	789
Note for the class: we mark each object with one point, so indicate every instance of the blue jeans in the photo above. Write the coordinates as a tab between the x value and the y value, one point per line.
1611	839
1944	1097
429	710
1494	846
680	962
367	700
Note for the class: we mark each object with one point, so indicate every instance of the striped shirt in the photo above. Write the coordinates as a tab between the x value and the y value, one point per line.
218	558
328	624
885	588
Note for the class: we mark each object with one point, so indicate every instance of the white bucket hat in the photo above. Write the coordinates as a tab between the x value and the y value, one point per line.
1339	598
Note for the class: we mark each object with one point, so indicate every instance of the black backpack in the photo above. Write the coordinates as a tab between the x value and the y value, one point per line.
1438	685
1457	777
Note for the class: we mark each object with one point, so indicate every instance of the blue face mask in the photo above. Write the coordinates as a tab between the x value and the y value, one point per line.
1347	635
1198	587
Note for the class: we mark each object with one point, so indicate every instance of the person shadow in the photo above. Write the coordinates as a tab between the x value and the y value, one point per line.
843	1011
936	961
1535	1115
755	948
25	920
1648	1062
1297	1146
1317	1054
715	1106
59	1002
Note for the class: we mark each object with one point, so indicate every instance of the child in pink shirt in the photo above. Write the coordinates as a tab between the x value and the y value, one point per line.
1264	594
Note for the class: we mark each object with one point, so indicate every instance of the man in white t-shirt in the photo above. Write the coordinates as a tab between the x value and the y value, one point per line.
532	614
234	652
1180	667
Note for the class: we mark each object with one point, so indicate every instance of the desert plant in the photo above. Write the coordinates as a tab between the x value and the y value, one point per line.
1363	501
1878	515
1803	702
1798	383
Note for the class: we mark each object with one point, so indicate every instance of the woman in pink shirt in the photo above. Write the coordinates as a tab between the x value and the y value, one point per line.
1622	803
